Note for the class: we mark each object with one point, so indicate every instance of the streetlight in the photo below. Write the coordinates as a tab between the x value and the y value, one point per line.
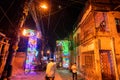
15	45
44	6
22	20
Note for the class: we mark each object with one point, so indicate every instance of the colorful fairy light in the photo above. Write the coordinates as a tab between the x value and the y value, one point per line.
65	51
31	50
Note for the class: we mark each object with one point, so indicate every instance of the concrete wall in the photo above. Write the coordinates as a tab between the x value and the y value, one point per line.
18	63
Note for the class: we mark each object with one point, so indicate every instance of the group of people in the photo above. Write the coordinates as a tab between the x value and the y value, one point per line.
51	69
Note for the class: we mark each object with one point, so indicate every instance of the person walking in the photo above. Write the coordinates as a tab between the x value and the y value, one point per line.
50	70
74	71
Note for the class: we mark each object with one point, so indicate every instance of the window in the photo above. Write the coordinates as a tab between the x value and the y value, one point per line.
117	20
88	61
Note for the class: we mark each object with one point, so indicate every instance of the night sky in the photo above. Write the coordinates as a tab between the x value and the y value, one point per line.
56	23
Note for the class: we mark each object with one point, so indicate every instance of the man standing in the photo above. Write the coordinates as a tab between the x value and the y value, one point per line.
50	70
74	71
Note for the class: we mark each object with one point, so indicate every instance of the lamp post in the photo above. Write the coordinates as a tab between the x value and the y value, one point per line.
43	6
22	20
15	45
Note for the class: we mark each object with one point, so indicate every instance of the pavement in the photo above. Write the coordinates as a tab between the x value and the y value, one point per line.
19	74
61	74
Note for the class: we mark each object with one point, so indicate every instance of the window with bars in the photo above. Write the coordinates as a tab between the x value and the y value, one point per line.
88	61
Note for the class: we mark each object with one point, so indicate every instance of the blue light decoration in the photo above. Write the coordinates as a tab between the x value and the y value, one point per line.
64	44
31	50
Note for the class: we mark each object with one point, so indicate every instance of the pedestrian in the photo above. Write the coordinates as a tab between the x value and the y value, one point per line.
50	70
74	71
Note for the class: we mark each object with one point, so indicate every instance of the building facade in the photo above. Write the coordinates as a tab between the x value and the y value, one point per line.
4	47
98	46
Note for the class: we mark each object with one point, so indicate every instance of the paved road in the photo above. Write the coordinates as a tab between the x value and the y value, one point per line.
65	74
30	76
60	75
37	76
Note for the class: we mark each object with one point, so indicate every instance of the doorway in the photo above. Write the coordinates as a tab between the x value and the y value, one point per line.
107	68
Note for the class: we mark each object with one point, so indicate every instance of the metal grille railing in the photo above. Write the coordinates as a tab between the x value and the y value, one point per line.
4	46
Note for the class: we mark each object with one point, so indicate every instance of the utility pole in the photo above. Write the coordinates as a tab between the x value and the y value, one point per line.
14	47
14	44
20	25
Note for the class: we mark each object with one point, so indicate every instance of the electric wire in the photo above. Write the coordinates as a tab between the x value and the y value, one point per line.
33	12
7	17
7	9
49	16
57	22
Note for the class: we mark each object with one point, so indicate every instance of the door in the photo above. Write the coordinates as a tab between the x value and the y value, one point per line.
107	68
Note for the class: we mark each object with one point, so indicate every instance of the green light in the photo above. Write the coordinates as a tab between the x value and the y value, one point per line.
65	46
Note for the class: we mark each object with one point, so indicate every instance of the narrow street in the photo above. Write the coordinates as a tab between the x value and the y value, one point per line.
61	74
80	36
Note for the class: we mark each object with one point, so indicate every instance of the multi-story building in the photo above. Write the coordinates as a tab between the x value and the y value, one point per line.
97	37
